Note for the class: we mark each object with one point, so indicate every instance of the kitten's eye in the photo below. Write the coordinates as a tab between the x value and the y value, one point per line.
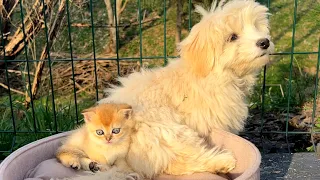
99	132
115	131
233	37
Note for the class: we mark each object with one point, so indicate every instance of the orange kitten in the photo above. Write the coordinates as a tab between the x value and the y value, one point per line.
101	142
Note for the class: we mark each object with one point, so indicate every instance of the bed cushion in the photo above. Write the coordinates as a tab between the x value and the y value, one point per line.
51	168
36	161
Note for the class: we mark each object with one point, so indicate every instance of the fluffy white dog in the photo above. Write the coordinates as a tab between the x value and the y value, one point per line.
205	88
217	68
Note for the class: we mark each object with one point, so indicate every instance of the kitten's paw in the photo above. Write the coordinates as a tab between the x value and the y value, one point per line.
94	167
74	163
133	176
103	167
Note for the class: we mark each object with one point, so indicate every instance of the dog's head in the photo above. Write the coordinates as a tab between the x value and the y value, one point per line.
234	37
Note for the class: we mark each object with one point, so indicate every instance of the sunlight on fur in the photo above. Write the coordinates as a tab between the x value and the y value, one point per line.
161	145
219	61
101	142
205	88
149	148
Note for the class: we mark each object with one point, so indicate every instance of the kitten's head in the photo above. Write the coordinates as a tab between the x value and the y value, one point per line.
108	124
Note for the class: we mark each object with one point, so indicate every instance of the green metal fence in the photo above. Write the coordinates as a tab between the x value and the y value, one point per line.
20	125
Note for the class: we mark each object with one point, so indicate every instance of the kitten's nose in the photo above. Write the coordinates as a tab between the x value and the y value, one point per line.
108	138
263	43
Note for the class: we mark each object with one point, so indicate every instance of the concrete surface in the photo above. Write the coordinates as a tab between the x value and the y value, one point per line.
295	166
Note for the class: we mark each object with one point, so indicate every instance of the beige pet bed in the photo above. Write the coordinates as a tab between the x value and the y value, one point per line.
36	161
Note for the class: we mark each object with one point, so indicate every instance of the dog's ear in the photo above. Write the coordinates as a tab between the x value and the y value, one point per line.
197	50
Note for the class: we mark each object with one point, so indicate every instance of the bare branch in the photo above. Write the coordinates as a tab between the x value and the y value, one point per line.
146	20
19	72
11	89
123	7
33	22
13	7
54	28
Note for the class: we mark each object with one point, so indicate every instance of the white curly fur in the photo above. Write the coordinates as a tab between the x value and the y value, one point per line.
161	145
209	83
205	88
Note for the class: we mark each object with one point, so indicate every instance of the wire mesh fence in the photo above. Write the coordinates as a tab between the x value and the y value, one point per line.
47	79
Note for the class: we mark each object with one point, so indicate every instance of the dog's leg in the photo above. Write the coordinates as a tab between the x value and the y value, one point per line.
193	158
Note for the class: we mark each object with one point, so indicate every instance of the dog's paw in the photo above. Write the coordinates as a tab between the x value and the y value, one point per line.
222	163
133	176
227	164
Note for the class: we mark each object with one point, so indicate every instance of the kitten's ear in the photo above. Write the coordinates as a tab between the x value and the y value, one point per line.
88	114
125	113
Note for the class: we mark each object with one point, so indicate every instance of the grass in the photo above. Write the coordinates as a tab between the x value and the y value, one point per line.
32	127
306	40
303	72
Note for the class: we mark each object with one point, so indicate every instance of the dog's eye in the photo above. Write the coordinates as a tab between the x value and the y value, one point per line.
233	37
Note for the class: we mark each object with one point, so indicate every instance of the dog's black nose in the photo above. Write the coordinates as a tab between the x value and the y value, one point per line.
263	43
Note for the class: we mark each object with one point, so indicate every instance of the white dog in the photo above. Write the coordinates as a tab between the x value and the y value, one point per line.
217	68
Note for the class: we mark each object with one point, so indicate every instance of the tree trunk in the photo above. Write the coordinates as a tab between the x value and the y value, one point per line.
111	47
120	8
54	29
179	21
6	7
33	22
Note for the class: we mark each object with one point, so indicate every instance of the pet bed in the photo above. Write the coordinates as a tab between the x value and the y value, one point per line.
36	161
